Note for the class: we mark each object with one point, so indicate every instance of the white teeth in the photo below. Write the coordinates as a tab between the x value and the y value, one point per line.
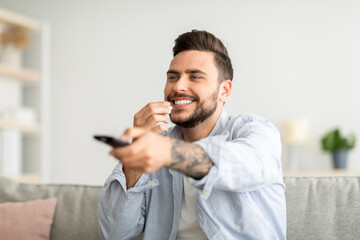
182	102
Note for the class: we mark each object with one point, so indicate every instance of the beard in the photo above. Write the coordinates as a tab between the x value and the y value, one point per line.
201	112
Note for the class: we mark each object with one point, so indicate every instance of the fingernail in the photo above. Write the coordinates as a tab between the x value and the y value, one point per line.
125	138
167	103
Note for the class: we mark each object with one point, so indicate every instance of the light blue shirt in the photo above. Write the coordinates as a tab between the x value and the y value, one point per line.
241	197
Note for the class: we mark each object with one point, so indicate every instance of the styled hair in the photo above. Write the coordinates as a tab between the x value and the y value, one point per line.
205	41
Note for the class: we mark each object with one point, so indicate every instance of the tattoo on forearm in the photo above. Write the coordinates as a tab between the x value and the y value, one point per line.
189	159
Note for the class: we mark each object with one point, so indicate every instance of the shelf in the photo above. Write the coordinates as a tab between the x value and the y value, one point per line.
10	17
323	173
27	129
16	78
21	74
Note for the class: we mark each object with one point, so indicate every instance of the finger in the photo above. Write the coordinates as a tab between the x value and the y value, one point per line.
127	151
160	128
155	107
133	148
140	161
134	155
121	152
133	133
153	120
159	108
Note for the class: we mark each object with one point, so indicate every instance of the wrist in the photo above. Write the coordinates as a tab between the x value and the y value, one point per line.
169	159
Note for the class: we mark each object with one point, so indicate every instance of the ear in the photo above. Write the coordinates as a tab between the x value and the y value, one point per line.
225	90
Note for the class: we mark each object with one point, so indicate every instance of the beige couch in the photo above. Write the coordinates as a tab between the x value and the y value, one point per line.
317	208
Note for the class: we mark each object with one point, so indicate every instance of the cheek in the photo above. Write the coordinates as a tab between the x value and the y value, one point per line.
167	90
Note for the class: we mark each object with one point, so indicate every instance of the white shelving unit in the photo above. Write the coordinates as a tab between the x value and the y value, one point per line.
27	85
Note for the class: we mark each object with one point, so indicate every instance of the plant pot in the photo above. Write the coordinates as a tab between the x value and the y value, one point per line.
340	158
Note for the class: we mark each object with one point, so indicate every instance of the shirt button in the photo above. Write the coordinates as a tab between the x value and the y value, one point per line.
152	184
205	193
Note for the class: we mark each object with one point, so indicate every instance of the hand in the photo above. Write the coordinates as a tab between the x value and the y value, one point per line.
148	118
151	115
147	153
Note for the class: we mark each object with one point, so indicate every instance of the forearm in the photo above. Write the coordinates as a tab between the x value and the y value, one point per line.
150	151
244	164
189	159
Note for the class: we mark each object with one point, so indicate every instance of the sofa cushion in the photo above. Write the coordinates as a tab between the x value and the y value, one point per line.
317	208
323	208
27	220
76	210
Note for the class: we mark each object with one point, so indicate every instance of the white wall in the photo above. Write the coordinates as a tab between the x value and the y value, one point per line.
109	58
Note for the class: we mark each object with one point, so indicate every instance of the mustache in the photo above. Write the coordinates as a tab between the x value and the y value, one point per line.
195	98
173	95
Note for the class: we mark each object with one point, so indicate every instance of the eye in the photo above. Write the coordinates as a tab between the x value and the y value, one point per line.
195	77
172	78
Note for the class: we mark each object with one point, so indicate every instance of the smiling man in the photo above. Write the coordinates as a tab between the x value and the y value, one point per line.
211	176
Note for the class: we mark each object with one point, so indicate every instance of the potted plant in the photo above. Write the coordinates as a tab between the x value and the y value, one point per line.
339	146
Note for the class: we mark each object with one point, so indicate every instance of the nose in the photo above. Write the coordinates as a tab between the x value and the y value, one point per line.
181	85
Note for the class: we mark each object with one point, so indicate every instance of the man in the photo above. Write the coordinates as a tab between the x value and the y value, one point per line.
212	176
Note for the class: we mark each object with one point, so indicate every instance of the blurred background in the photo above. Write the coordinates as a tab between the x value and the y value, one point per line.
96	63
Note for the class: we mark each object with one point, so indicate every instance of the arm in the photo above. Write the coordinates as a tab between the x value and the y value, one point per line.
147	118
121	212
150	151
189	159
245	158
248	159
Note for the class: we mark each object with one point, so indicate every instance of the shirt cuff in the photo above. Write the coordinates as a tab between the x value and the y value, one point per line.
141	185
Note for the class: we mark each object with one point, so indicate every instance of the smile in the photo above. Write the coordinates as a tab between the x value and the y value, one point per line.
182	102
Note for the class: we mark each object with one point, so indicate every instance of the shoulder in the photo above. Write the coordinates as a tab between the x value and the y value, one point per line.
243	124
243	119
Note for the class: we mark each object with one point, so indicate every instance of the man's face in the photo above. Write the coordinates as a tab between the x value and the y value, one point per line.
192	87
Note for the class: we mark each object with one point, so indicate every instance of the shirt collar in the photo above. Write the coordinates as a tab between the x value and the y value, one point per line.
220	124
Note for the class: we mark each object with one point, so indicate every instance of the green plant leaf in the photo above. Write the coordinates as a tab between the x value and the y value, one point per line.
334	140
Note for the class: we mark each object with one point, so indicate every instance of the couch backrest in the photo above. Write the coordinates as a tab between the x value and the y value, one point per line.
323	208
317	208
76	209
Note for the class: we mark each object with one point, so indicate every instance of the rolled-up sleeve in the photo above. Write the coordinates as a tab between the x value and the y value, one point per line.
246	157
121	212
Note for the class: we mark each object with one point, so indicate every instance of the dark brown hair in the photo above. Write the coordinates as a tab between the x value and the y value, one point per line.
205	41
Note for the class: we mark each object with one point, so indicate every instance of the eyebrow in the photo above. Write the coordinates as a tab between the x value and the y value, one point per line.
190	71
172	72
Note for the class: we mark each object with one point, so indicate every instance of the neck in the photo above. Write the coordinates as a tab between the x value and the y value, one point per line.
203	129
